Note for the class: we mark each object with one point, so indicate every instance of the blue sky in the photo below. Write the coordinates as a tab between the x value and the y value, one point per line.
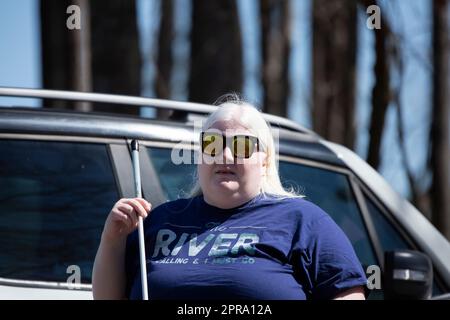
19	47
20	66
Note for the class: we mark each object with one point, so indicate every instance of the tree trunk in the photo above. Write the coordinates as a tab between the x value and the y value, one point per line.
116	59
275	44
418	197
216	54
55	49
81	79
103	56
381	95
439	135
66	60
334	67
164	60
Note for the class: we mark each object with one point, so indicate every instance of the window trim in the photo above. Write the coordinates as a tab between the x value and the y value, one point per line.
163	144
121	164
66	138
44	284
376	243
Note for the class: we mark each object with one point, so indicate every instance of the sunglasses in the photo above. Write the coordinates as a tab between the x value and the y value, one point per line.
241	145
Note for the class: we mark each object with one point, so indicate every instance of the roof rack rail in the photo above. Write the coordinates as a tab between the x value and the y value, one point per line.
189	107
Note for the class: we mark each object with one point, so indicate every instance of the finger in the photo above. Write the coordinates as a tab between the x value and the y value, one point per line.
138	210
137	207
144	203
147	205
125	208
129	211
124	218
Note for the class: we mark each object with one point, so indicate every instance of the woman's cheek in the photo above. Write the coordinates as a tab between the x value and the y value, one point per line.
202	174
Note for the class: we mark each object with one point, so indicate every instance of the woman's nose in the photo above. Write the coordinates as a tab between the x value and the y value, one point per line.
227	155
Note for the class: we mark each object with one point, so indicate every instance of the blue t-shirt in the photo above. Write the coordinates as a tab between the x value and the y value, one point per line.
266	249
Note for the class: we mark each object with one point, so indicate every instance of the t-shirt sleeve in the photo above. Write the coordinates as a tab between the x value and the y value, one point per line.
327	262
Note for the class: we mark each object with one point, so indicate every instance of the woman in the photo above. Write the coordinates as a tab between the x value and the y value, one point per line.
239	236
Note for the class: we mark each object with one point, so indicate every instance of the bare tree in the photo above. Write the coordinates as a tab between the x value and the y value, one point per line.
275	40
418	195
216	50
102	56
81	55
55	49
164	60
334	67
116	59
439	133
381	92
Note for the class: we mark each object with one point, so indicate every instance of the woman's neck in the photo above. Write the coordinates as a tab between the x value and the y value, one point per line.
228	202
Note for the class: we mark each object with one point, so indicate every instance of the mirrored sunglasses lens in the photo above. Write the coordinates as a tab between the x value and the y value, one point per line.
211	143
243	146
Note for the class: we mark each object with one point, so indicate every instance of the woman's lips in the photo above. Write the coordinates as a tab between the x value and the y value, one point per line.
224	172
228	176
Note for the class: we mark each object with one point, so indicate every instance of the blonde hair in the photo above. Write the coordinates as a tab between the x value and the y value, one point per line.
251	118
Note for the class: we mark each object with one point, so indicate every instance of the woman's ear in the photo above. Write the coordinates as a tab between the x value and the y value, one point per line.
264	164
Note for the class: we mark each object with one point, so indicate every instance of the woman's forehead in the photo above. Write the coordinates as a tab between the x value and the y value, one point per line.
230	125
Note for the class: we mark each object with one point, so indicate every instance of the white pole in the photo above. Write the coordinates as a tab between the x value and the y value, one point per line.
137	184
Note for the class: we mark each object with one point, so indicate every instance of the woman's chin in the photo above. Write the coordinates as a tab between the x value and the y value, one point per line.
227	185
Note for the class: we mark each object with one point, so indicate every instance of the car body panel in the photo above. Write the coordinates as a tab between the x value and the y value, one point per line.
428	237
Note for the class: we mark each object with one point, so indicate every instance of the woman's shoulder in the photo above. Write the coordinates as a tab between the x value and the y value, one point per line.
176	205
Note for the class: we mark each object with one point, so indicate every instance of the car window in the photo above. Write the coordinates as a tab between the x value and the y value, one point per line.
55	197
390	238
176	180
331	191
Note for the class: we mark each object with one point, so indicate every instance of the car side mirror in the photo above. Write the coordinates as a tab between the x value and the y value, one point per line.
408	275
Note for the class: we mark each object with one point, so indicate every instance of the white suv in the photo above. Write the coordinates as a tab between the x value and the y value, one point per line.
61	172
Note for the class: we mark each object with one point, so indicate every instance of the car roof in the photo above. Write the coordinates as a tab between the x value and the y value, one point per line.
294	138
138	102
72	123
